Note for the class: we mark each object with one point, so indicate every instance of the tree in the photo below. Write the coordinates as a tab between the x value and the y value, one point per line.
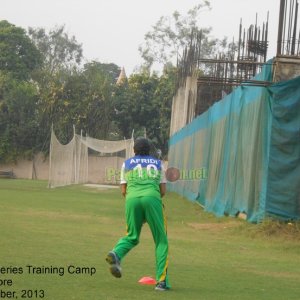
83	99
110	71
19	58
171	35
133	104
144	105
95	108
59	92
60	51
18	55
18	122
62	56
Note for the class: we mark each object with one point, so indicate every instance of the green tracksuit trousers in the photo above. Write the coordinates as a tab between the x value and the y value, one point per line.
146	209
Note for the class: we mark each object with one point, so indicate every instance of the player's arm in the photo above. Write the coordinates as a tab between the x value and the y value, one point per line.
123	181
123	189
163	189
163	181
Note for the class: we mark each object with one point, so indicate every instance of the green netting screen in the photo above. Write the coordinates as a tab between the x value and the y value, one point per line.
243	154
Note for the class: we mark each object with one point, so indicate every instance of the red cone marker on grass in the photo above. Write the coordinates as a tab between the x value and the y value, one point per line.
147	280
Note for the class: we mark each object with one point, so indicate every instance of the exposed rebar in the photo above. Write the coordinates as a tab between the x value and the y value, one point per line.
288	28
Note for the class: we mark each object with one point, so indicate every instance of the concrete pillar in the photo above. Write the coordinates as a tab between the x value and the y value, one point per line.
286	67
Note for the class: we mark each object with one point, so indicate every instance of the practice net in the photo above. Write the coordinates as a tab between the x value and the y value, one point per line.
69	164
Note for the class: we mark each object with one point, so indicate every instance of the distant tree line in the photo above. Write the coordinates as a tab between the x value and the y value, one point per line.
43	82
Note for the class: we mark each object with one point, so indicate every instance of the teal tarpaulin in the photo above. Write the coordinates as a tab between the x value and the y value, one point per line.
246	148
283	186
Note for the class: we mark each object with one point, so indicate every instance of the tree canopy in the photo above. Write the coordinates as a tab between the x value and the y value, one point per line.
59	50
18	54
170	35
43	82
53	88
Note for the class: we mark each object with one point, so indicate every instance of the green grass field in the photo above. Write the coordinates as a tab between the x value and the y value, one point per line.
210	258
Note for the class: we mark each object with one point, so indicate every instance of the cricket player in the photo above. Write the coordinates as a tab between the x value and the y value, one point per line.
143	184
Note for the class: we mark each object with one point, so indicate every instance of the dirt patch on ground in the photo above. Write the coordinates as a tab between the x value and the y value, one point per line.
102	186
213	226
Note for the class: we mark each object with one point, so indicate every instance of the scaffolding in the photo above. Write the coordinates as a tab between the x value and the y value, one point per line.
236	66
217	76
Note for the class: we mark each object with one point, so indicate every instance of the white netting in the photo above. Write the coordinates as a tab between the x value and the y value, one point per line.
104	146
69	163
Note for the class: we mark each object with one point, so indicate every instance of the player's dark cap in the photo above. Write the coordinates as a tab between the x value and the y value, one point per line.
141	146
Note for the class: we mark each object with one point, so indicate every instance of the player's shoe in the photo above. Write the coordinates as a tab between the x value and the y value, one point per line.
161	286
114	262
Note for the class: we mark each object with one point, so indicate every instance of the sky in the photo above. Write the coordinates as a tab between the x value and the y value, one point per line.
111	31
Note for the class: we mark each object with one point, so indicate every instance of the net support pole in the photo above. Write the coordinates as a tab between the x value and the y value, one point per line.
75	155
